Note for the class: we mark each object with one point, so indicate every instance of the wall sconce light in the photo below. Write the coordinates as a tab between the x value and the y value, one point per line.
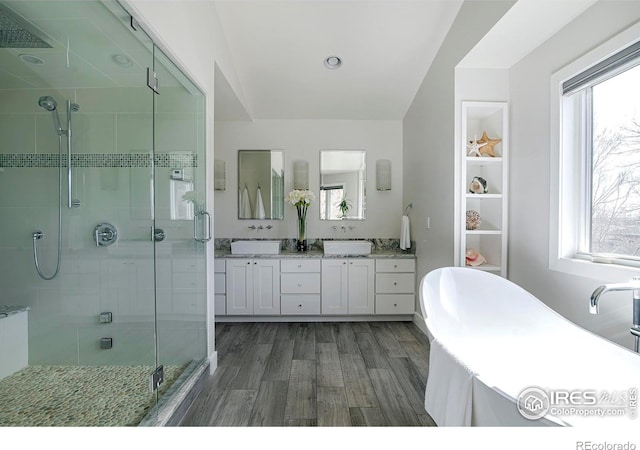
219	175
301	175
383	175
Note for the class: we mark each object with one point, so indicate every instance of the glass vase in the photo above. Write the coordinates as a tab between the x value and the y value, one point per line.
301	245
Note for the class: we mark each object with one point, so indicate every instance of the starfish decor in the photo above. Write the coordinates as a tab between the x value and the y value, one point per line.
474	147
488	144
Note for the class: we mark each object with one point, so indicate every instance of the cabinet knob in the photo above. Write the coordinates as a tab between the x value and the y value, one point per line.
255	262
299	266
248	262
395	305
300	284
395	283
395	266
300	306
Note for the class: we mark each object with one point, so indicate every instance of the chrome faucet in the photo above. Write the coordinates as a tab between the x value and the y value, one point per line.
633	285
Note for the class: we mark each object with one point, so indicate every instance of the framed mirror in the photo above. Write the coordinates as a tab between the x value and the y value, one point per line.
261	184
343	184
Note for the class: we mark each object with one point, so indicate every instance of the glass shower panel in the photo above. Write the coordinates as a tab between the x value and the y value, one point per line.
91	343
179	130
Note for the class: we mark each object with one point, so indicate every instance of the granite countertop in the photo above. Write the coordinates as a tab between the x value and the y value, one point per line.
319	254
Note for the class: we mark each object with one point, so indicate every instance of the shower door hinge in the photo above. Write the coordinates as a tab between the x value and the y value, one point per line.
156	378
152	80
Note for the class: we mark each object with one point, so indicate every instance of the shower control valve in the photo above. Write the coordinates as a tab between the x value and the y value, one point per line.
105	234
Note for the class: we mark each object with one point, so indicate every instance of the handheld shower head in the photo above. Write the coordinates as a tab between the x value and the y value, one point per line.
49	104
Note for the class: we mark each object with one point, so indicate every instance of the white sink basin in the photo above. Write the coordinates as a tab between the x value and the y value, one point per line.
255	248
347	247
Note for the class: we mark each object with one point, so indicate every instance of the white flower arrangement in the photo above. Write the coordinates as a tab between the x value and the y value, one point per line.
300	197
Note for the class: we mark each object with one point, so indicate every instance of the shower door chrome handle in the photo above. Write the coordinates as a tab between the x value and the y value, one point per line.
195	226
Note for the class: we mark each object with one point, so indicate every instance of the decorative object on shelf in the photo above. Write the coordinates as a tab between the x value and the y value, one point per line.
474	147
301	199
473	219
219	175
383	175
488	144
301	175
344	206
474	258
478	186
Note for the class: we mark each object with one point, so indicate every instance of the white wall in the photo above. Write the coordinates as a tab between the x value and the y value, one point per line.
303	139
428	135
529	184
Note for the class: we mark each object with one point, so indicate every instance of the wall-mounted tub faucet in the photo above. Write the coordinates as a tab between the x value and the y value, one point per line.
633	285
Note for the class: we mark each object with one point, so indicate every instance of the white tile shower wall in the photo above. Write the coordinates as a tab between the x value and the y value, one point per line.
64	325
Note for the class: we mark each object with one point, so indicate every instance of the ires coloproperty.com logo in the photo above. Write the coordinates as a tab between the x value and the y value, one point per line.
534	403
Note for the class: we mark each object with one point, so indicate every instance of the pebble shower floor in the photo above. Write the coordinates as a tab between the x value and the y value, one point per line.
74	396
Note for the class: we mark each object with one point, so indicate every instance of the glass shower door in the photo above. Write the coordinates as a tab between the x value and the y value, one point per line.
182	224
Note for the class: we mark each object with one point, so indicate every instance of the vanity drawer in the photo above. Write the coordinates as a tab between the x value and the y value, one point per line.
395	304
220	283
392	283
300	265
220	304
300	304
219	265
300	283
395	265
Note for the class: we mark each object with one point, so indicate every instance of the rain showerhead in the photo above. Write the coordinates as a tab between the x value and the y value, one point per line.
47	103
15	32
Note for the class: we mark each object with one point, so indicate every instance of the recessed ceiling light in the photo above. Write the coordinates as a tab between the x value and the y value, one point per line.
332	62
30	59
122	60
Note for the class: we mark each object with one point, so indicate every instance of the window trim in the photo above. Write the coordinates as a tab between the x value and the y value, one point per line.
566	188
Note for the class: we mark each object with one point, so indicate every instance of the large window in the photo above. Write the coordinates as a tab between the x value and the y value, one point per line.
615	167
605	100
598	163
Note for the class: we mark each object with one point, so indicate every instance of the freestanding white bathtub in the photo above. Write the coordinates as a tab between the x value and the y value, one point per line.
500	357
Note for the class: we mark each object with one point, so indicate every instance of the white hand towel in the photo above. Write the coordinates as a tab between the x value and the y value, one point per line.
405	236
448	395
245	206
259	205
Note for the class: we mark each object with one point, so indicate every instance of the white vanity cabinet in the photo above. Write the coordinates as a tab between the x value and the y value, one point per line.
252	286
395	286
348	286
300	286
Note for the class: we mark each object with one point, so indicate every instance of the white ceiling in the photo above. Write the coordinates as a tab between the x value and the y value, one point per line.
524	27
278	47
387	46
84	36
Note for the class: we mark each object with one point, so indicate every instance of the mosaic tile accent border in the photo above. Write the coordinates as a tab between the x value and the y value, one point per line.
31	160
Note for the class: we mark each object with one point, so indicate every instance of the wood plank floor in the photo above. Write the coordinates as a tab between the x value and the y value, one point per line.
316	374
